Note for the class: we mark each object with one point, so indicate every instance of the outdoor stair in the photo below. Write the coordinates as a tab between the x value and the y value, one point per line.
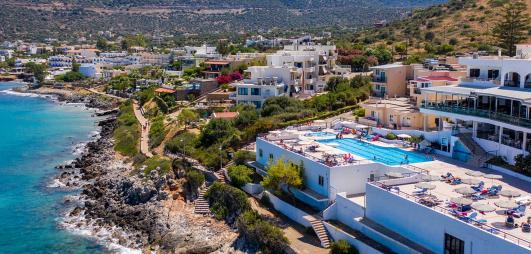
320	230
479	155
220	175
201	204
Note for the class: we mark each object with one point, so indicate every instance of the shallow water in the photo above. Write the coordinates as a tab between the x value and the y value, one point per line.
37	134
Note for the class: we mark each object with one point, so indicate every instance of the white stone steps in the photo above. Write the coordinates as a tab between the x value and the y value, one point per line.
320	230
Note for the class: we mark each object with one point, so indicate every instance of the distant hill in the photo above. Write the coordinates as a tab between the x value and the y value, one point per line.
69	19
464	24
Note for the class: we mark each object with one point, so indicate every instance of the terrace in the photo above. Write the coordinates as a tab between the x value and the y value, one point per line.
443	192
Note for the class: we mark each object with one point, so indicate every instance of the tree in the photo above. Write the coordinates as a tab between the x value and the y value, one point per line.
240	175
512	27
75	66
187	116
121	82
401	49
102	44
523	163
429	36
38	70
281	173
342	247
194	179
216	131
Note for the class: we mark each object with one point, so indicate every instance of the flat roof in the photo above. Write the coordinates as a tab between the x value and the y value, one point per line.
437	78
387	66
517	93
455	89
444	191
510	92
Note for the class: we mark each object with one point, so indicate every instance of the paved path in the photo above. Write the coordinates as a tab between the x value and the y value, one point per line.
144	140
104	94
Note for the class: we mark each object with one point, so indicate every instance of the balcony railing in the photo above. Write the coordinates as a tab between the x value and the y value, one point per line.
523	122
379	79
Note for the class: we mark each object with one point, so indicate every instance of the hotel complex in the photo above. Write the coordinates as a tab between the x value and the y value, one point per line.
435	196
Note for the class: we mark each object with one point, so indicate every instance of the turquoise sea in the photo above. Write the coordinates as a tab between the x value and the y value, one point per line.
37	134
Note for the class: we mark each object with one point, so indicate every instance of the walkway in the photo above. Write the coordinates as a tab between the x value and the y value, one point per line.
144	139
105	94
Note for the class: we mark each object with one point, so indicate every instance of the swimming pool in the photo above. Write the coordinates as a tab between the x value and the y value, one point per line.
320	134
387	155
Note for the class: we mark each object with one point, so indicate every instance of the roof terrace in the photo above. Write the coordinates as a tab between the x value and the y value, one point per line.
491	214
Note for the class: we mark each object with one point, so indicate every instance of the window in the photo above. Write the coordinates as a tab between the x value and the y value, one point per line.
271	156
257	104
321	180
474	73
255	91
453	245
260	152
242	91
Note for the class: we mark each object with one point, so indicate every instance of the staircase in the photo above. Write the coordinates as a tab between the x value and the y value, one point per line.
479	155
320	230
220	175
201	204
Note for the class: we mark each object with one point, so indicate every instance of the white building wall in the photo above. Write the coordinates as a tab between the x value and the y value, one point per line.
427	227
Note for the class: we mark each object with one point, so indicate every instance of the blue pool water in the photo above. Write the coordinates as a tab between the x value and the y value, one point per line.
35	136
320	134
387	155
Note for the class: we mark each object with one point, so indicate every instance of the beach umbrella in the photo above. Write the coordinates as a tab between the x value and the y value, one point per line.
394	174
403	136
425	185
483	207
465	190
509	193
429	178
475	173
471	181
305	142
462	201
508	204
493	176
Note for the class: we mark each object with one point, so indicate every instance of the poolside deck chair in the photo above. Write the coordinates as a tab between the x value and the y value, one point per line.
526	200
471	217
526	227
479	187
420	192
509	222
518	211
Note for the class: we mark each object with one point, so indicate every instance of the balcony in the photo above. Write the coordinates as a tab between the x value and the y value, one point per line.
522	122
379	79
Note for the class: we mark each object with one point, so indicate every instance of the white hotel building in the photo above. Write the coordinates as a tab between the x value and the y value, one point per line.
261	83
493	101
364	190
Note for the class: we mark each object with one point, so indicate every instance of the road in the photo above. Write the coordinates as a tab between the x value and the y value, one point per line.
144	140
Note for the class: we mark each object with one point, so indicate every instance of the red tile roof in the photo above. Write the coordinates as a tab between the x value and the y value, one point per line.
225	115
164	90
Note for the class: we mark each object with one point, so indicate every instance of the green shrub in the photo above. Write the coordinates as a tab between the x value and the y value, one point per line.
194	179
157	131
127	132
227	202
154	162
243	156
360	112
268	237
390	136
240	175
342	247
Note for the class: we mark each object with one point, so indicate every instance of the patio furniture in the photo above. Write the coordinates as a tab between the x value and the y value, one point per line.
509	222
429	178
447	176
471	217
518	211
526	200
420	192
424	185
465	191
461	201
456	181
474	173
507	204
526	227
509	193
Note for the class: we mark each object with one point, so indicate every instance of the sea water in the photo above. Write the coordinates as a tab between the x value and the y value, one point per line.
37	134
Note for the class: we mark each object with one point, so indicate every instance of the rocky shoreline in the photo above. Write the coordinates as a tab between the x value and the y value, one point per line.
72	96
131	212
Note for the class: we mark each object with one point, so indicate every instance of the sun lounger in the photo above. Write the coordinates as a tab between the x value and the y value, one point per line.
517	212
420	192
526	200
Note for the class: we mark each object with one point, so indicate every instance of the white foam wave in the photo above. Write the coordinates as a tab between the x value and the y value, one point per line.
15	93
56	184
78	225
79	148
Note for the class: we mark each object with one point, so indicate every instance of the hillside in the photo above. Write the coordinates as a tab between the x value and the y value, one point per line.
70	19
466	25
